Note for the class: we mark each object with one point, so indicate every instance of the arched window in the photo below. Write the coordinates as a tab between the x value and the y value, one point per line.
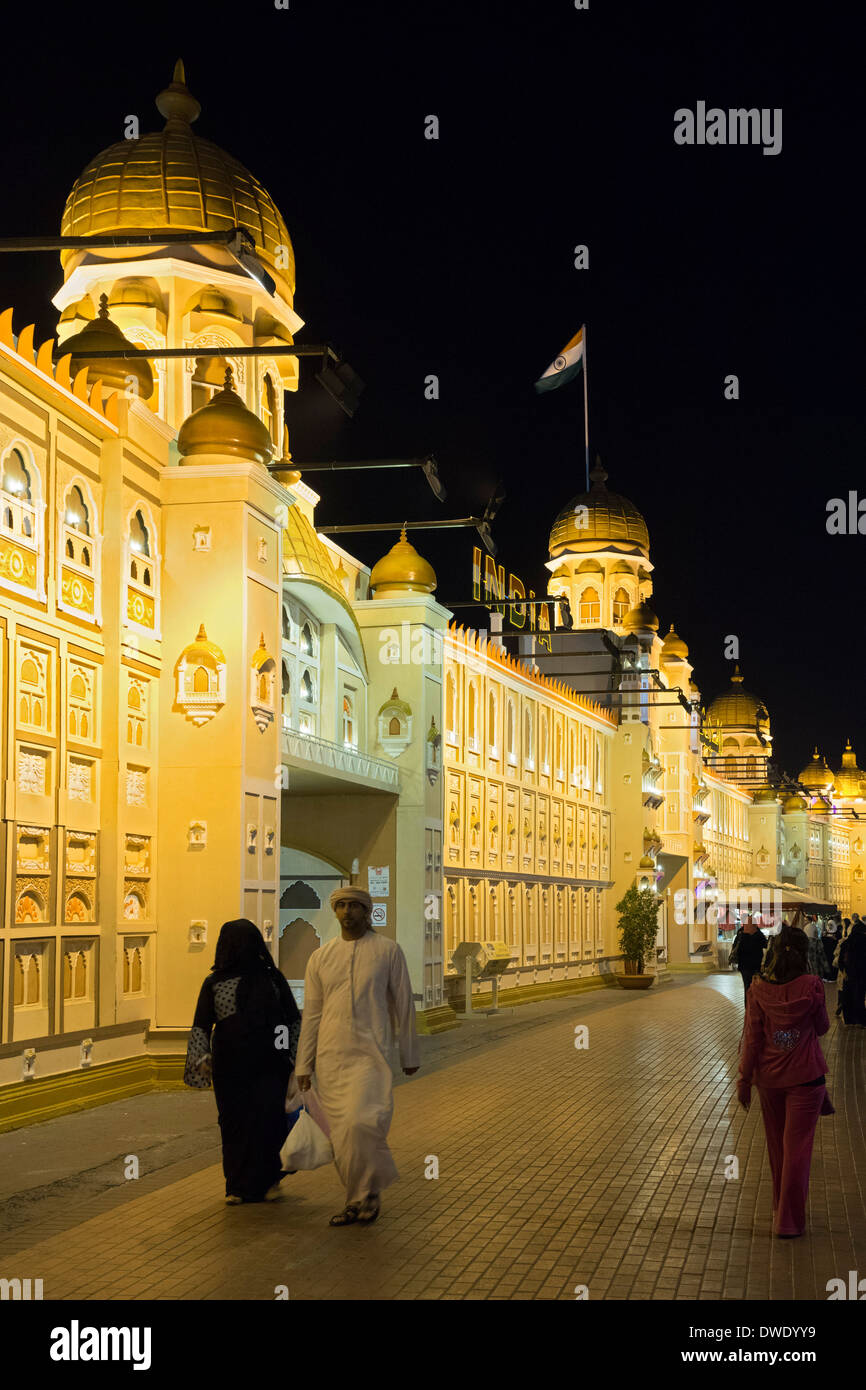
306	688
572	756
16	479
471	714
512	751
450	703
286	695
287	626
269	408
307	640
589	610
527	736
348	722
200	680
491	720
545	741
559	765
76	514
620	606
139	540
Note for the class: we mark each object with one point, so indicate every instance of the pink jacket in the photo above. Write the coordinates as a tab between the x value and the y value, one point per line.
780	1039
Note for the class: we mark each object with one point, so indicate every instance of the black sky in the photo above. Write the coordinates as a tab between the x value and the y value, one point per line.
455	258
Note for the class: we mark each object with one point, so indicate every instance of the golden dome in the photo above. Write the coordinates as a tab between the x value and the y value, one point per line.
174	181
102	334
674	646
136	292
737	707
402	568
765	793
225	426
849	779
641	619
395	703
816	775
793	802
646	862
613	522
202	649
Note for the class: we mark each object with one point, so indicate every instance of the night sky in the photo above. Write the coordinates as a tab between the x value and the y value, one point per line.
455	258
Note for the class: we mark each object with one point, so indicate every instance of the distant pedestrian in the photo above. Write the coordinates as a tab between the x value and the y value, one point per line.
810	927
247	1008
852	966
785	1015
829	941
837	961
356	987
748	950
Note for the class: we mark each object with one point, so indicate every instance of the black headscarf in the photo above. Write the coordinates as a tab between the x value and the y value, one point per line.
787	957
242	950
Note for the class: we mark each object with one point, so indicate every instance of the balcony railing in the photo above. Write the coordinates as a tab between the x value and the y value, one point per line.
340	758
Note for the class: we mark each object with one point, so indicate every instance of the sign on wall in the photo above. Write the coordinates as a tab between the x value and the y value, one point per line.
379	915
378	881
489	579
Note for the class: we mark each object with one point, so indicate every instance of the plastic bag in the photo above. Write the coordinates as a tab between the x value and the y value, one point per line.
306	1146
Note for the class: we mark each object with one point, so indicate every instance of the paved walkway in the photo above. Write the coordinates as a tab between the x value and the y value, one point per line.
558	1167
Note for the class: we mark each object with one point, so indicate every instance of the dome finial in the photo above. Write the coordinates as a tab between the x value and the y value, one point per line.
177	103
229	383
598	474
403	535
103	307
736	678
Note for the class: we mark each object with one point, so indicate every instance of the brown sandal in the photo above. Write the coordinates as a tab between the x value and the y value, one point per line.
347	1217
369	1208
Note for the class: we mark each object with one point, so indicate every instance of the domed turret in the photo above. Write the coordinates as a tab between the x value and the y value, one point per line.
674	648
103	335
816	775
849	779
793	802
400	570
225	426
641	619
174	181
599	520
738	707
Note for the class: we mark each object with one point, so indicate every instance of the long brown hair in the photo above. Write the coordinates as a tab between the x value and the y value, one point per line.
787	957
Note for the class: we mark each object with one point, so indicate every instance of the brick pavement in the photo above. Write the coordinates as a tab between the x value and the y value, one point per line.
558	1167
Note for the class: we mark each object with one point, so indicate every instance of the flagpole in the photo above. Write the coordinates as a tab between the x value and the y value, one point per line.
585	408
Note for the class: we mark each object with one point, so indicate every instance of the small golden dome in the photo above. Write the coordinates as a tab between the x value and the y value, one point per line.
173	181
135	292
402	568
612	522
202	649
674	646
646	862
793	802
765	793
102	334
738	708
816	775
261	655
849	778
285	471
641	619
225	426
395	703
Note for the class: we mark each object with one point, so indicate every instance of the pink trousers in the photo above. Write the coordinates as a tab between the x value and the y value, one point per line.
790	1116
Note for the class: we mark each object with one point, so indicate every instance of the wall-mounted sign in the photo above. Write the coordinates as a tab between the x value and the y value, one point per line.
379	881
379	915
488	586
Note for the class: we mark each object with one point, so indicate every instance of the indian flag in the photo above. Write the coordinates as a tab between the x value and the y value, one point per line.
565	367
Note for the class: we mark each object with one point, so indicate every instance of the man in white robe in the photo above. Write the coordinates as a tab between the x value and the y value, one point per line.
357	992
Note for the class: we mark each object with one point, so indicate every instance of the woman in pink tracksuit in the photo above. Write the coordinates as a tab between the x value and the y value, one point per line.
785	1016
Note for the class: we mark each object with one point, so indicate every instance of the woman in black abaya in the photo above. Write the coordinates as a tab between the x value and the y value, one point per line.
244	1037
852	964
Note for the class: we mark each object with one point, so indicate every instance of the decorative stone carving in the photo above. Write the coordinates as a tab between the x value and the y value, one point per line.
135	897
136	786
263	674
201	538
33	850
197	834
137	856
200	679
79	900
395	725
80	852
80	780
31	900
31	771
198	932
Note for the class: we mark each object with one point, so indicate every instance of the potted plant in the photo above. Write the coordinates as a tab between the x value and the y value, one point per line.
638	927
